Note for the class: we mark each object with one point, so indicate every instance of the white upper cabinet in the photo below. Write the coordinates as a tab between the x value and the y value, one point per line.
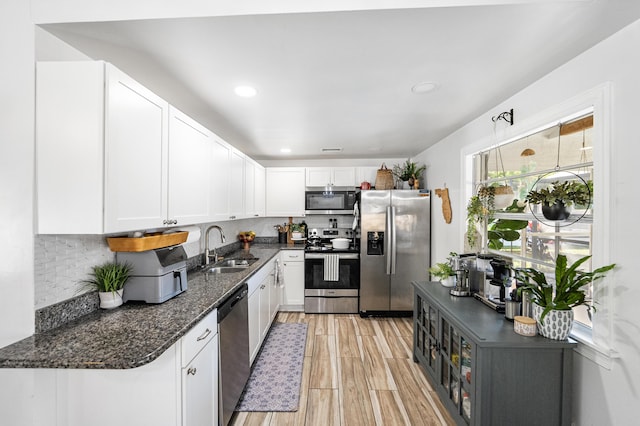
285	191
366	174
220	180
337	176
254	181
190	147
101	150
236	185
260	190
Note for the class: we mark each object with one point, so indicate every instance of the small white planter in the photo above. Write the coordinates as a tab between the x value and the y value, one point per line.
109	299
557	324
449	281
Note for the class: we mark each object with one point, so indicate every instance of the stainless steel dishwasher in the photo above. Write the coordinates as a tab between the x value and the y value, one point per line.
234	350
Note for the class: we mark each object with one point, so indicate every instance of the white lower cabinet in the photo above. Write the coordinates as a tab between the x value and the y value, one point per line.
179	388
293	269
263	305
199	378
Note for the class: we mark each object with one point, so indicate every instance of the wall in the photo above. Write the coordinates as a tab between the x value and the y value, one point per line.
16	199
602	396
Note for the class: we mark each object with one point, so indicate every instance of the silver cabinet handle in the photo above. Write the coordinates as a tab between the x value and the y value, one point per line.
192	371
204	335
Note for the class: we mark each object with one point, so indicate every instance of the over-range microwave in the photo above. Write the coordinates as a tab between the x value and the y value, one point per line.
333	202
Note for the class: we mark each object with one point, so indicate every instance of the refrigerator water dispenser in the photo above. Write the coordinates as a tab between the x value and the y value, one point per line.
375	243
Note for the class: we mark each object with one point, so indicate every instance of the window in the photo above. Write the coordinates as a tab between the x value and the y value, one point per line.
559	152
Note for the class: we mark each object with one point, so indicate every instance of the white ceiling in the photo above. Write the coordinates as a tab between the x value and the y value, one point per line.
343	79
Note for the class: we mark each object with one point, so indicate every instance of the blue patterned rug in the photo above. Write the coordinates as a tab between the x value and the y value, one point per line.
274	384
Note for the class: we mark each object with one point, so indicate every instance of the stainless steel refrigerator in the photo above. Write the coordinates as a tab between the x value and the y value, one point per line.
395	248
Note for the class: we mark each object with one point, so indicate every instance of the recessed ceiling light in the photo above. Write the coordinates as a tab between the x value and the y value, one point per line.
246	91
424	87
285	150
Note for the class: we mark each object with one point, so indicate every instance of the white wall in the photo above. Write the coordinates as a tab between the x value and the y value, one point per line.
601	396
16	199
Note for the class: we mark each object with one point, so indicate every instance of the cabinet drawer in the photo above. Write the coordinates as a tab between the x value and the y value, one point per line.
292	255
198	336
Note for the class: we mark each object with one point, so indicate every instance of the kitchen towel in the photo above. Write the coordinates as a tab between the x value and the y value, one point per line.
331	267
192	245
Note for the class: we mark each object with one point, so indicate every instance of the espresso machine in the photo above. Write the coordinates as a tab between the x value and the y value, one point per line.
461	266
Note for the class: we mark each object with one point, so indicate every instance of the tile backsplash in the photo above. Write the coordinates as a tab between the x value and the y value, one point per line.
62	262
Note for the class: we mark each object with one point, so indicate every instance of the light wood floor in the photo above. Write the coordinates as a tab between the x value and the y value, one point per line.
357	371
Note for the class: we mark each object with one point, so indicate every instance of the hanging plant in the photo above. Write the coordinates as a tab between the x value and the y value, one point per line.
557	198
476	212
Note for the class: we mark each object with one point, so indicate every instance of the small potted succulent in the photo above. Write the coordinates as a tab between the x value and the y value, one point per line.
109	280
557	198
553	306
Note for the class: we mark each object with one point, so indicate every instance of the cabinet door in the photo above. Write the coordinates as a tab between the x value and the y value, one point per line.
259	189
249	187
70	131
190	147
344	176
366	174
293	292
457	359
220	182
274	294
426	336
319	176
236	185
199	388
265	317
285	191
254	324
135	155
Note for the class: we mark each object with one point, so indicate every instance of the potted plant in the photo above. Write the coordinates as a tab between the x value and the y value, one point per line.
553	308
408	172
444	273
557	198
109	280
496	197
297	231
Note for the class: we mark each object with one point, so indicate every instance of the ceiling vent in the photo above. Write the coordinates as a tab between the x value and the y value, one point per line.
331	150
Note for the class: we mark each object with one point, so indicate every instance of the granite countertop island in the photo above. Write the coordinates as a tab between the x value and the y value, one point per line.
133	334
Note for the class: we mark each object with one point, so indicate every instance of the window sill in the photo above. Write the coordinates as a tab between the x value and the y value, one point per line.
589	349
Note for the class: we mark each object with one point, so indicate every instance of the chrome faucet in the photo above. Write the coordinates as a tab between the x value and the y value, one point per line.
207	255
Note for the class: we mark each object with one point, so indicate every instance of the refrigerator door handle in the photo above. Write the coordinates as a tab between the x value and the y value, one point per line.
392	223
387	241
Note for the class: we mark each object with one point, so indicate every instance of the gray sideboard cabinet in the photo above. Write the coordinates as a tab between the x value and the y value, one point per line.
484	372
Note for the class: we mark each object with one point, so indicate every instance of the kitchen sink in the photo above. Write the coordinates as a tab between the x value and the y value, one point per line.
243	263
225	269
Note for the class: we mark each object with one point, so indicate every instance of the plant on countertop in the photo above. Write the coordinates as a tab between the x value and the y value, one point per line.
109	277
570	290
568	192
441	271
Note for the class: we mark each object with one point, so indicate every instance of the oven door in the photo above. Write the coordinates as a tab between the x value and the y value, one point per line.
330	294
316	279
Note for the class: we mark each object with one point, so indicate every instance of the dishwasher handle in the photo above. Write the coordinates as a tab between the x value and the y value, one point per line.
227	306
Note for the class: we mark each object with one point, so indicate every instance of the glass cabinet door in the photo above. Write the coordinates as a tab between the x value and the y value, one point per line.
456	356
426	333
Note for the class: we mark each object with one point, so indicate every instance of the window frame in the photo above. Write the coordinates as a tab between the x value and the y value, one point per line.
594	343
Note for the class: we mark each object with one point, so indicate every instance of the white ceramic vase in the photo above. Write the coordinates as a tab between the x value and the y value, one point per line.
449	281
110	299
556	325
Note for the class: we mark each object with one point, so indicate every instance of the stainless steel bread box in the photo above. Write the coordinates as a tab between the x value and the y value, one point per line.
157	275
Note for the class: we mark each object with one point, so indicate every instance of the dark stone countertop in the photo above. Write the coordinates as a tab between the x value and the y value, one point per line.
133	334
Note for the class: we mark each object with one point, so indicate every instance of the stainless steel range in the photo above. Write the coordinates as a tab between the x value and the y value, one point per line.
331	271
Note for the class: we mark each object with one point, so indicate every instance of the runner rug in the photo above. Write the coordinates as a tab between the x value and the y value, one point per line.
274	383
